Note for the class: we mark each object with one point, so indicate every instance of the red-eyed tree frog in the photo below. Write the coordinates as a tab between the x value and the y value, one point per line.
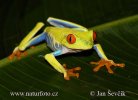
64	37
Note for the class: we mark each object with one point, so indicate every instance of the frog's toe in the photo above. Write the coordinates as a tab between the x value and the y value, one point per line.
119	65
99	65
71	72
109	69
96	69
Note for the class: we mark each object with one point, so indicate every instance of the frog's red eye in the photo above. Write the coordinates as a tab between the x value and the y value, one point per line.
94	35
71	38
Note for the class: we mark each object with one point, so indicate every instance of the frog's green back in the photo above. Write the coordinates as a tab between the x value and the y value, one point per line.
84	40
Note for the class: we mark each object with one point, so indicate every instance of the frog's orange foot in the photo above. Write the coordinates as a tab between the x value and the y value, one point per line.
17	54
71	72
107	63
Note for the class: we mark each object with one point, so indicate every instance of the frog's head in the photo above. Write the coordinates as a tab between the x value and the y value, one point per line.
79	40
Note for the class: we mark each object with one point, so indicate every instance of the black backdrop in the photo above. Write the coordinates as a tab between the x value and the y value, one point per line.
17	17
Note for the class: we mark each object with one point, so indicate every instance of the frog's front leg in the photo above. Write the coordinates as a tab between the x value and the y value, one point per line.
104	60
62	69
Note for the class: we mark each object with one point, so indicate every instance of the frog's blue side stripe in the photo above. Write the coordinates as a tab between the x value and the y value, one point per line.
52	43
45	37
38	39
98	52
57	53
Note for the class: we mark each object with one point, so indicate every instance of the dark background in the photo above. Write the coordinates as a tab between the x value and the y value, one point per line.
18	17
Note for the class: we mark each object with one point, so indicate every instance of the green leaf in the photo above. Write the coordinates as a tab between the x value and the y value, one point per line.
33	74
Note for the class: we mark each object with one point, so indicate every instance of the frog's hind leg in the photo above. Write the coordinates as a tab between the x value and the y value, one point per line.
28	41
63	23
30	37
36	40
32	42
